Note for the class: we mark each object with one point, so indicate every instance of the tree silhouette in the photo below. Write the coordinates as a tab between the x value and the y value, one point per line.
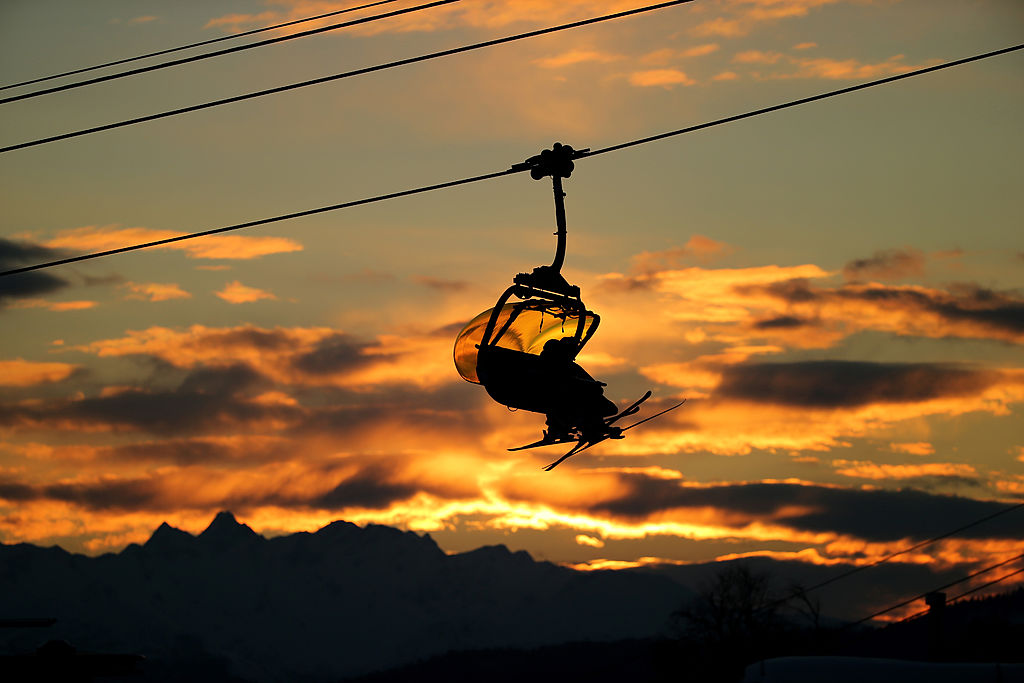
733	619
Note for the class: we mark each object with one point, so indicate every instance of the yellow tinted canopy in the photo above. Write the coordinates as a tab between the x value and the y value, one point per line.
524	326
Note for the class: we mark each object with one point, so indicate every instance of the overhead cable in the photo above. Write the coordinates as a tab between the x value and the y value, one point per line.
794	103
519	168
904	603
347	74
916	546
225	51
190	46
957	598
263	221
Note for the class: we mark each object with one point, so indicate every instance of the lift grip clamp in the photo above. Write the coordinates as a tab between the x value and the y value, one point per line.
556	162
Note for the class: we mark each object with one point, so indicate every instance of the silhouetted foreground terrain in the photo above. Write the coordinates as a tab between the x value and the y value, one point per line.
985	630
345	602
314	606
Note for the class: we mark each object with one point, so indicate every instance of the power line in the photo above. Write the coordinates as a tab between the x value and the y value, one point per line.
519	168
347	74
965	593
201	43
948	585
225	51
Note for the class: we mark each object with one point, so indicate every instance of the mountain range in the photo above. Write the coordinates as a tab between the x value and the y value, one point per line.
343	601
231	605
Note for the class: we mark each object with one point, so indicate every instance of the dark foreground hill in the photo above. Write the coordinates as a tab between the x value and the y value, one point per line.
230	604
984	630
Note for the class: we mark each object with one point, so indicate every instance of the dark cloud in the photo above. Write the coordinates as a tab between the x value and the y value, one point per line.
16	492
26	285
797	290
336	354
977	307
369	488
441	284
640	283
126	494
781	322
192	452
873	515
830	384
222	381
966	303
983	306
101	280
208	400
891	264
449	409
451	330
266	340
363	277
372	483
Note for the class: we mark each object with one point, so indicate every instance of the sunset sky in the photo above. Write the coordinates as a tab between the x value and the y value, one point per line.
837	289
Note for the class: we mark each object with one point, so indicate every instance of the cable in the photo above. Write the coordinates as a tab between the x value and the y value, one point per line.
519	168
225	51
953	600
948	585
805	100
912	548
988	583
263	221
347	74
192	45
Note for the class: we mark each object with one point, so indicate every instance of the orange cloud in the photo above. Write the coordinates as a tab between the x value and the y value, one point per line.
778	9
851	69
487	14
780	305
318	356
665	78
23	373
1011	484
605	565
712	295
57	306
666	55
916	448
699	50
102	238
737	427
698	248
237	293
198	344
155	291
809	555
590	541
869	470
576	56
719	26
436	492
238	22
744	15
757	57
